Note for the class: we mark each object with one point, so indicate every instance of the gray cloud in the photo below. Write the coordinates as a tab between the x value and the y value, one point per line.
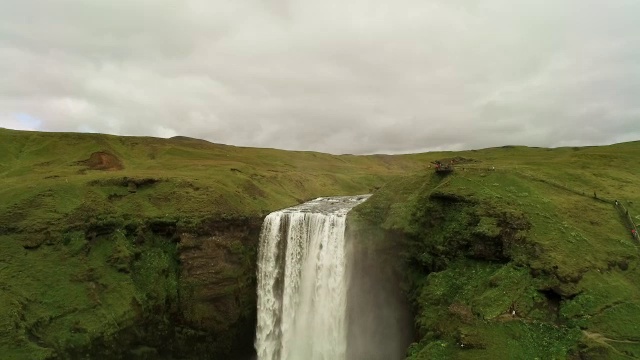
350	76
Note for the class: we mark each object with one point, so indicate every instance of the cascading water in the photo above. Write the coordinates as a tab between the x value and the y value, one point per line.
302	282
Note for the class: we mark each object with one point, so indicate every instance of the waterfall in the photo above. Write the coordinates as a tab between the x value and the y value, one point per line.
302	282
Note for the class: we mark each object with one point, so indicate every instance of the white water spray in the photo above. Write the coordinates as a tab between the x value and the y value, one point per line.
302	285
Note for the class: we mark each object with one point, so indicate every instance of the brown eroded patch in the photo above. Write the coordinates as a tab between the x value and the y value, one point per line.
102	160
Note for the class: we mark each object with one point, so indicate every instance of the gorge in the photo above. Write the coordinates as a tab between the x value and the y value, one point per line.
313	301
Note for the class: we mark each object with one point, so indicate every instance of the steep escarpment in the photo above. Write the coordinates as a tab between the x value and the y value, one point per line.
499	266
218	296
142	290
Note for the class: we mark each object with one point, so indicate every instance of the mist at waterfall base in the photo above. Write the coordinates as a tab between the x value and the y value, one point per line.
322	293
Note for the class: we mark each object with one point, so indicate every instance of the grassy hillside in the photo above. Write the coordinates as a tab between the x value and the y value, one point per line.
522	261
48	177
132	246
121	245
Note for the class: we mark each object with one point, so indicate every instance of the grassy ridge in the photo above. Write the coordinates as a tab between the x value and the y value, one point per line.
43	181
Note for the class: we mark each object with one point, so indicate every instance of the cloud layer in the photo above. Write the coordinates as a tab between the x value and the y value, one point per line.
340	76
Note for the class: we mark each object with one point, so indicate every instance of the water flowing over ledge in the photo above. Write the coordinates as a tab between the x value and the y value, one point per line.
302	284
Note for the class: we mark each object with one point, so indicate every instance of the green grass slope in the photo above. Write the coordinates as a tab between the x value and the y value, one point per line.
45	180
521	261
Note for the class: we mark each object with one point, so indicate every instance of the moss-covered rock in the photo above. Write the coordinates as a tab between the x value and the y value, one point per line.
131	295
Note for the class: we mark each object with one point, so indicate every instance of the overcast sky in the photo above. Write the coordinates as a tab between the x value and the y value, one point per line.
339	76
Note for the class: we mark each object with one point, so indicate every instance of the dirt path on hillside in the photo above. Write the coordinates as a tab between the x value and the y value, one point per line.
603	339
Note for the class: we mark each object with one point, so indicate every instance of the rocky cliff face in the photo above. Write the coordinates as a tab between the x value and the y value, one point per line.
134	291
217	282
